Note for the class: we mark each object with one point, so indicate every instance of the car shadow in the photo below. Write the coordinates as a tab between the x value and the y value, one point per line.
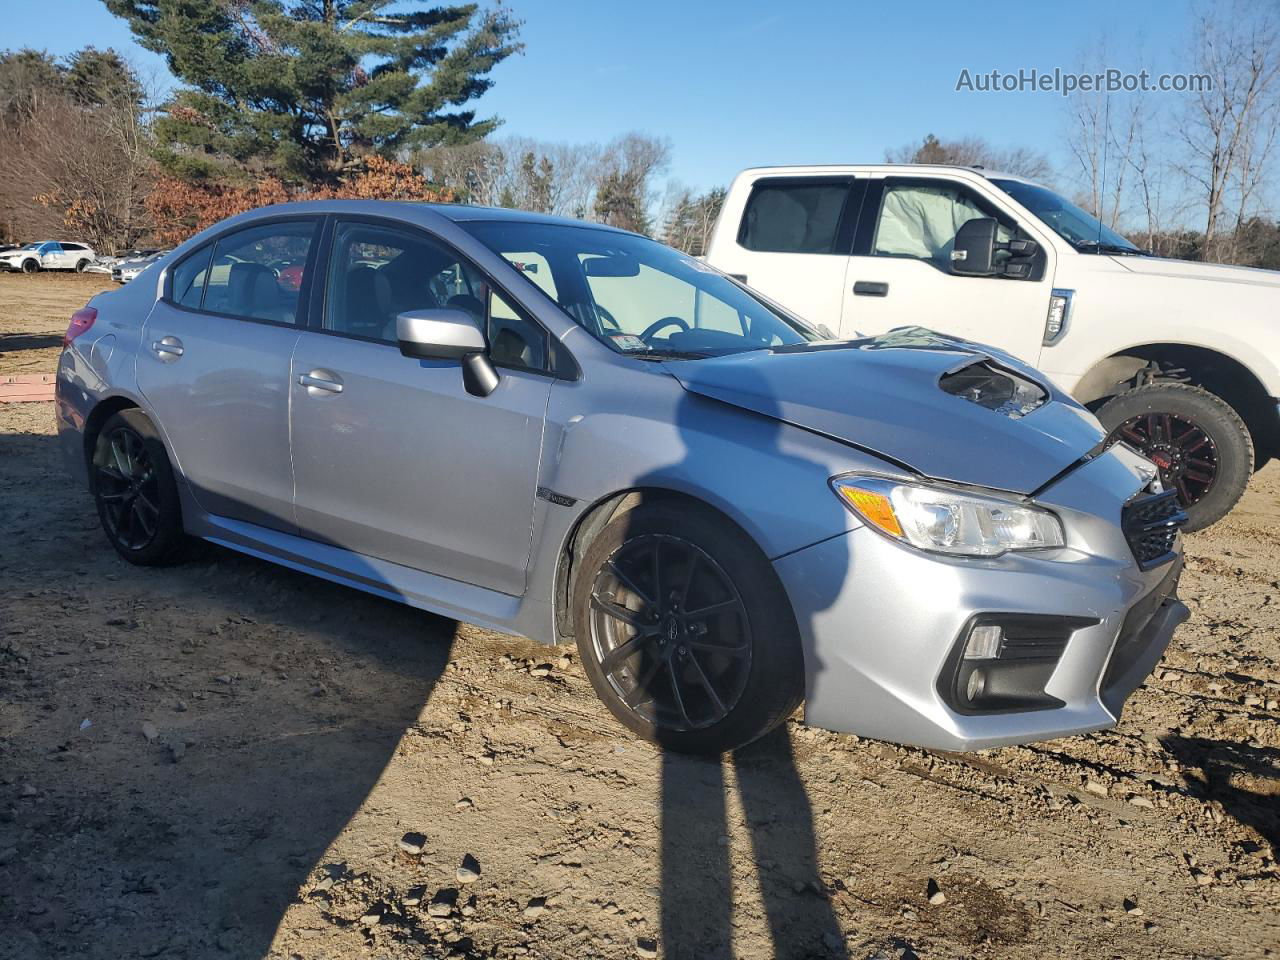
276	703
1244	779
698	911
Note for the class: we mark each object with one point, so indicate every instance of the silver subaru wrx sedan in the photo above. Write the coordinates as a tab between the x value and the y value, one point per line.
577	434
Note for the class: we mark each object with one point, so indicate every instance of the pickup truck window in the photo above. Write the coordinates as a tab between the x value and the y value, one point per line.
793	217
920	221
1080	229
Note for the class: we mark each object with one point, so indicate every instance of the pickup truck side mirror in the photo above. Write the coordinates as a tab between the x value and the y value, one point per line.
974	251
449	334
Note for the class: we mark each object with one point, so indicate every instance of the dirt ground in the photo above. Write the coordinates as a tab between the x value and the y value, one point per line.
34	311
229	759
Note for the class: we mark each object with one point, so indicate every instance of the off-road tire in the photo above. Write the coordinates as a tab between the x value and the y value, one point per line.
774	684
1231	439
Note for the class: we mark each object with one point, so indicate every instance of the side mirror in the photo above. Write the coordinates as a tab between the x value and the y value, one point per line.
448	335
974	251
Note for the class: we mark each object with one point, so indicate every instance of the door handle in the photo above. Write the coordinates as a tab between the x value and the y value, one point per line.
321	381
167	349
870	288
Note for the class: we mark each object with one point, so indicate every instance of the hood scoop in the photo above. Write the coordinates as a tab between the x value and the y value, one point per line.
997	389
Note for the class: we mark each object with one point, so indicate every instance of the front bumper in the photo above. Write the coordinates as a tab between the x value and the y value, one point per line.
880	621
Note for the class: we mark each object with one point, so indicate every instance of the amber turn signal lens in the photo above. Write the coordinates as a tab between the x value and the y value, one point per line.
874	507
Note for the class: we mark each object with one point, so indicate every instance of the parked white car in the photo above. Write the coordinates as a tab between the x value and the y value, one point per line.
48	255
1179	359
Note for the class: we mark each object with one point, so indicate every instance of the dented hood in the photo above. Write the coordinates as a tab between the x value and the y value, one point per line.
910	396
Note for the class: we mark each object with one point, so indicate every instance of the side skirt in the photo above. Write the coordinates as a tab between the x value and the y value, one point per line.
416	588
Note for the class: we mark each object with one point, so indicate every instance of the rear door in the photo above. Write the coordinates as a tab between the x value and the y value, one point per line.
394	459
214	367
793	241
900	273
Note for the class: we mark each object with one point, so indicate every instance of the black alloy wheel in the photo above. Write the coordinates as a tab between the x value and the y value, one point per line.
127	487
1184	453
670	632
133	487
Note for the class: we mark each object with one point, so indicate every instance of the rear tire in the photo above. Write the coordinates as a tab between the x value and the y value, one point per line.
80	265
1199	443
133	487
714	657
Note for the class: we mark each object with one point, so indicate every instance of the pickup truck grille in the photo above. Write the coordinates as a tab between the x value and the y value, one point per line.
1151	526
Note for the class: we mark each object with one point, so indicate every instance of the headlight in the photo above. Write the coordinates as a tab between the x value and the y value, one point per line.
946	519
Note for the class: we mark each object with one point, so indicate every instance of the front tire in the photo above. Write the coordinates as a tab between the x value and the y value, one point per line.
30	266
685	630
1197	441
133	487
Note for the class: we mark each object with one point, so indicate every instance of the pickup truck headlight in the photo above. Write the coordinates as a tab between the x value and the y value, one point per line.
946	519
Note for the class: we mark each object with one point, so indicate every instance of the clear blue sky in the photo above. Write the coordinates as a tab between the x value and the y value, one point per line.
736	84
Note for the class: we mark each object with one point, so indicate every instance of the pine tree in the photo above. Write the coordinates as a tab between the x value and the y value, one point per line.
305	90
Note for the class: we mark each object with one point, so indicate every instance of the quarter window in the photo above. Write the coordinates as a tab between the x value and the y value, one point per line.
793	217
919	221
257	273
187	283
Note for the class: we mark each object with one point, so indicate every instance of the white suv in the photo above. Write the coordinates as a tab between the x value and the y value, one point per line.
1179	359
49	255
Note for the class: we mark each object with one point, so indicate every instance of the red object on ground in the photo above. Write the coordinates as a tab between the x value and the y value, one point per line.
28	388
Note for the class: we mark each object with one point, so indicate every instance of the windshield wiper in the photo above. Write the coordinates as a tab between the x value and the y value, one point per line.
1097	246
667	355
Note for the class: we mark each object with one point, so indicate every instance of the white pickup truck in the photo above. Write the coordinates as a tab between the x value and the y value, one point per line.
1179	359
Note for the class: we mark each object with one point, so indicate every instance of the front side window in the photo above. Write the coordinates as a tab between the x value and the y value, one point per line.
919	221
793	217
638	296
1080	229
257	272
377	272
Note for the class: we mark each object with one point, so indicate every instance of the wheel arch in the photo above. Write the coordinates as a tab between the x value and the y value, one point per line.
594	519
1213	370
98	416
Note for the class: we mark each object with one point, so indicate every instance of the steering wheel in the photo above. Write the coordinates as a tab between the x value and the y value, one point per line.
662	324
606	319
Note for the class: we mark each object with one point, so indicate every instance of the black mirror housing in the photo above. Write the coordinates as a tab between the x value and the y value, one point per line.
974	251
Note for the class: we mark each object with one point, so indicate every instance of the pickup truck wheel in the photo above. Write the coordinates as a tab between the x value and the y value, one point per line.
30	266
685	630
1199	443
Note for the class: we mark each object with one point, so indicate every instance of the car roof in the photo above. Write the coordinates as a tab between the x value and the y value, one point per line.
457	212
805	169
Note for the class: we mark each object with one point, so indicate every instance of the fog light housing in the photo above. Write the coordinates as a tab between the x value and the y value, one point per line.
1002	662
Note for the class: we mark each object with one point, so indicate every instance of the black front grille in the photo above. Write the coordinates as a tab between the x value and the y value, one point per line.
1151	526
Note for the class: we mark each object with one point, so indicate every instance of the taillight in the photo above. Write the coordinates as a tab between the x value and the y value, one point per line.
81	321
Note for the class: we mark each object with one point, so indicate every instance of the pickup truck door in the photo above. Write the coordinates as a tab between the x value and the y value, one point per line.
900	272
792	243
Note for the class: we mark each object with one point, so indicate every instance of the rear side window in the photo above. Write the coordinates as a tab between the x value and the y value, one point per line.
257	273
793	217
187	284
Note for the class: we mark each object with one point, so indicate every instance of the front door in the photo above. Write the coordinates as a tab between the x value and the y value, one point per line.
214	367
903	276
393	458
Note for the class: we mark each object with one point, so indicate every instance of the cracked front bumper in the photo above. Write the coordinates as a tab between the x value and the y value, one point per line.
880	620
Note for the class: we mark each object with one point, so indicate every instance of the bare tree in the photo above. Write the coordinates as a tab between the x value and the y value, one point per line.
974	152
1229	128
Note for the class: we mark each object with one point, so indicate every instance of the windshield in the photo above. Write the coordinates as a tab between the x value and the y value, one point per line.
1080	229
34	246
638	296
